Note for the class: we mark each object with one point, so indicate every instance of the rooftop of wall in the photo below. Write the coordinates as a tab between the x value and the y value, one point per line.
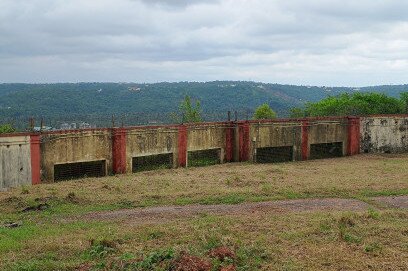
386	116
16	134
203	124
76	131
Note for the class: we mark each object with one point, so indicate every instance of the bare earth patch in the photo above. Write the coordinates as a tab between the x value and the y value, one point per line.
394	202
165	213
346	177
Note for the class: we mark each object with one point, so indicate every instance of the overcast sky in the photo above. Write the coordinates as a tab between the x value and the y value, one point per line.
313	42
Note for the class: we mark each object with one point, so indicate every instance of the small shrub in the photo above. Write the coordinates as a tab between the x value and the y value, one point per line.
99	249
153	260
351	238
155	235
346	221
25	190
372	248
373	214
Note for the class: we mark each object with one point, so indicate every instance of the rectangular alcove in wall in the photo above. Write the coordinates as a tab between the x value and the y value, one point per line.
203	158
326	150
70	171
152	162
274	154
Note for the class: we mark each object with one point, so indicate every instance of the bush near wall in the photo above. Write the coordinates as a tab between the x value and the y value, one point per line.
355	104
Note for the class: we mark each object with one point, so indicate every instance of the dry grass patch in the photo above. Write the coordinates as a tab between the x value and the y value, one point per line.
357	176
375	240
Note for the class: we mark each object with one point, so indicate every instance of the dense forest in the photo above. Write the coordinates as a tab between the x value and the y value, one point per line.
135	103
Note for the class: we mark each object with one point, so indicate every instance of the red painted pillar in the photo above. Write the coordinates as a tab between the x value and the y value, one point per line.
353	145
35	153
229	145
182	146
244	142
119	150
305	140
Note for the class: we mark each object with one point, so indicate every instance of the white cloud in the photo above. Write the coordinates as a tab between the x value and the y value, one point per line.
288	41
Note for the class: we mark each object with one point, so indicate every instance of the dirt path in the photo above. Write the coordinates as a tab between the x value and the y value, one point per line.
393	202
167	213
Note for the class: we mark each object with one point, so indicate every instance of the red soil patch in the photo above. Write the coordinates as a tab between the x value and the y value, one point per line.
84	267
188	262
230	267
221	253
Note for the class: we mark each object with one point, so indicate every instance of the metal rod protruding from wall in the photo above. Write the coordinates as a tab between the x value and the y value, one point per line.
41	124
31	124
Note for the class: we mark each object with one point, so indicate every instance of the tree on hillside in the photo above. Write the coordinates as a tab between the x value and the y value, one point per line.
190	113
355	104
404	99
297	112
6	128
264	112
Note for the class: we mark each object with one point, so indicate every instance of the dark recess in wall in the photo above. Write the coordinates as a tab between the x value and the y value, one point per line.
204	158
274	154
152	162
326	150
79	170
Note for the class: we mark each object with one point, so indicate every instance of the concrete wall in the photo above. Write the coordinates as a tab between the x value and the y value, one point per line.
276	134
74	146
328	131
384	134
205	137
22	156
15	161
150	141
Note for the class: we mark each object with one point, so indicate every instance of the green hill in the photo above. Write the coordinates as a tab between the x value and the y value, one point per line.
140	103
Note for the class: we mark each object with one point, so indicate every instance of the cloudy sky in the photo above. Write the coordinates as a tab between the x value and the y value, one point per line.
313	42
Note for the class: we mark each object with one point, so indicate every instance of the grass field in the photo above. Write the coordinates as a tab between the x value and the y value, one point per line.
61	237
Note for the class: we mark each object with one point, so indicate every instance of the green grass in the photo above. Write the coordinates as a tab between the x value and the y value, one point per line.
59	238
288	241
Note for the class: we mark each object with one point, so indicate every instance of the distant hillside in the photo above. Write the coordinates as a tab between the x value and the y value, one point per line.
153	102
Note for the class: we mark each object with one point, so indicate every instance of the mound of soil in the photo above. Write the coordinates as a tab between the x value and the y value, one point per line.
188	262
37	207
84	267
16	202
230	267
221	253
73	198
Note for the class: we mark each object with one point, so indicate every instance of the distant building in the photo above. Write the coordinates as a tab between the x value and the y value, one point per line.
74	126
134	89
85	125
44	128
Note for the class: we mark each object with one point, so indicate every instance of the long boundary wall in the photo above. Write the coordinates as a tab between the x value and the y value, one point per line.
34	158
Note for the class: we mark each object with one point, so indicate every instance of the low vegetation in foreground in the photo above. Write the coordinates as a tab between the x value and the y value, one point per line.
44	227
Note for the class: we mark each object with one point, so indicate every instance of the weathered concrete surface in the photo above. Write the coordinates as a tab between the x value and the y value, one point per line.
15	161
276	135
143	142
378	134
73	147
207	137
387	134
328	132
